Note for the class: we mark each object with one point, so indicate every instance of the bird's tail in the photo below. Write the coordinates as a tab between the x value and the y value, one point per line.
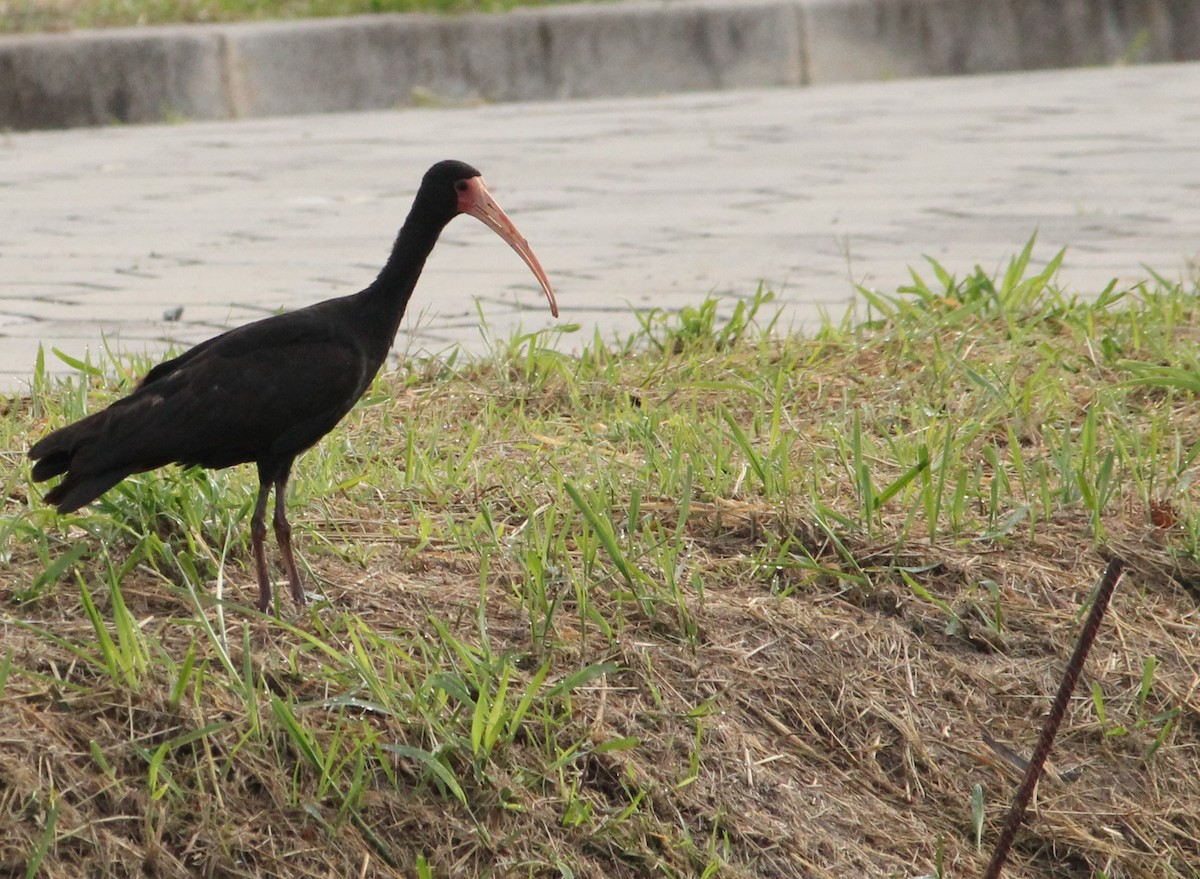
77	491
51	465
54	454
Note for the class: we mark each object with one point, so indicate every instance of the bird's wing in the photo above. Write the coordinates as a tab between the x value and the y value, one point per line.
245	396
169	366
276	330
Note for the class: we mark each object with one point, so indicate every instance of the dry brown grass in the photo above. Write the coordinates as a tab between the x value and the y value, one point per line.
817	717
841	735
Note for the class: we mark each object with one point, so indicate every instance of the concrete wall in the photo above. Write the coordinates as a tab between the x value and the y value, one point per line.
617	49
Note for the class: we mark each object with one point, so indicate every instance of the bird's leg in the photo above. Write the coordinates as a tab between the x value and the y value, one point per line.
283	534
258	534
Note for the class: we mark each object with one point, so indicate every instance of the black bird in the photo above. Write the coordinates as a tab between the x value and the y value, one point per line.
266	391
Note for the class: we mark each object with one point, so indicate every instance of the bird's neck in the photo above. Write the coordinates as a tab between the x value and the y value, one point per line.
389	293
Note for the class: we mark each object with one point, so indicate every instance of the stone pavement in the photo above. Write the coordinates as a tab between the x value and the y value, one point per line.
630	203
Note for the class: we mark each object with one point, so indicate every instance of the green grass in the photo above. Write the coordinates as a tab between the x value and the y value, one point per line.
706	601
17	16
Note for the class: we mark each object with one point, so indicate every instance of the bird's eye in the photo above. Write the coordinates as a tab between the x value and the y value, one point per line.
461	186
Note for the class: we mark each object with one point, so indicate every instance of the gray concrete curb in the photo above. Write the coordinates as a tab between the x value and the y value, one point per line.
623	49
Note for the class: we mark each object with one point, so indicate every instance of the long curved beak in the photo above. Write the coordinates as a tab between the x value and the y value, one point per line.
478	202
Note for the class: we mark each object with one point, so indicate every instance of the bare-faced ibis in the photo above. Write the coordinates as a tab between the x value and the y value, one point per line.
266	391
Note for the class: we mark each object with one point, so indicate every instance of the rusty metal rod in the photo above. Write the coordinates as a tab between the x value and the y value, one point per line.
1050	729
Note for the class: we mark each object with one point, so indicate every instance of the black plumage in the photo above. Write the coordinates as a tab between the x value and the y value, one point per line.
266	391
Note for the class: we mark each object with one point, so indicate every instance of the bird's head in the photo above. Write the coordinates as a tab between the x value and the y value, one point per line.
452	188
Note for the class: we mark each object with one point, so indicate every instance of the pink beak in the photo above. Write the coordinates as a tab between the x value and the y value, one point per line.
478	202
